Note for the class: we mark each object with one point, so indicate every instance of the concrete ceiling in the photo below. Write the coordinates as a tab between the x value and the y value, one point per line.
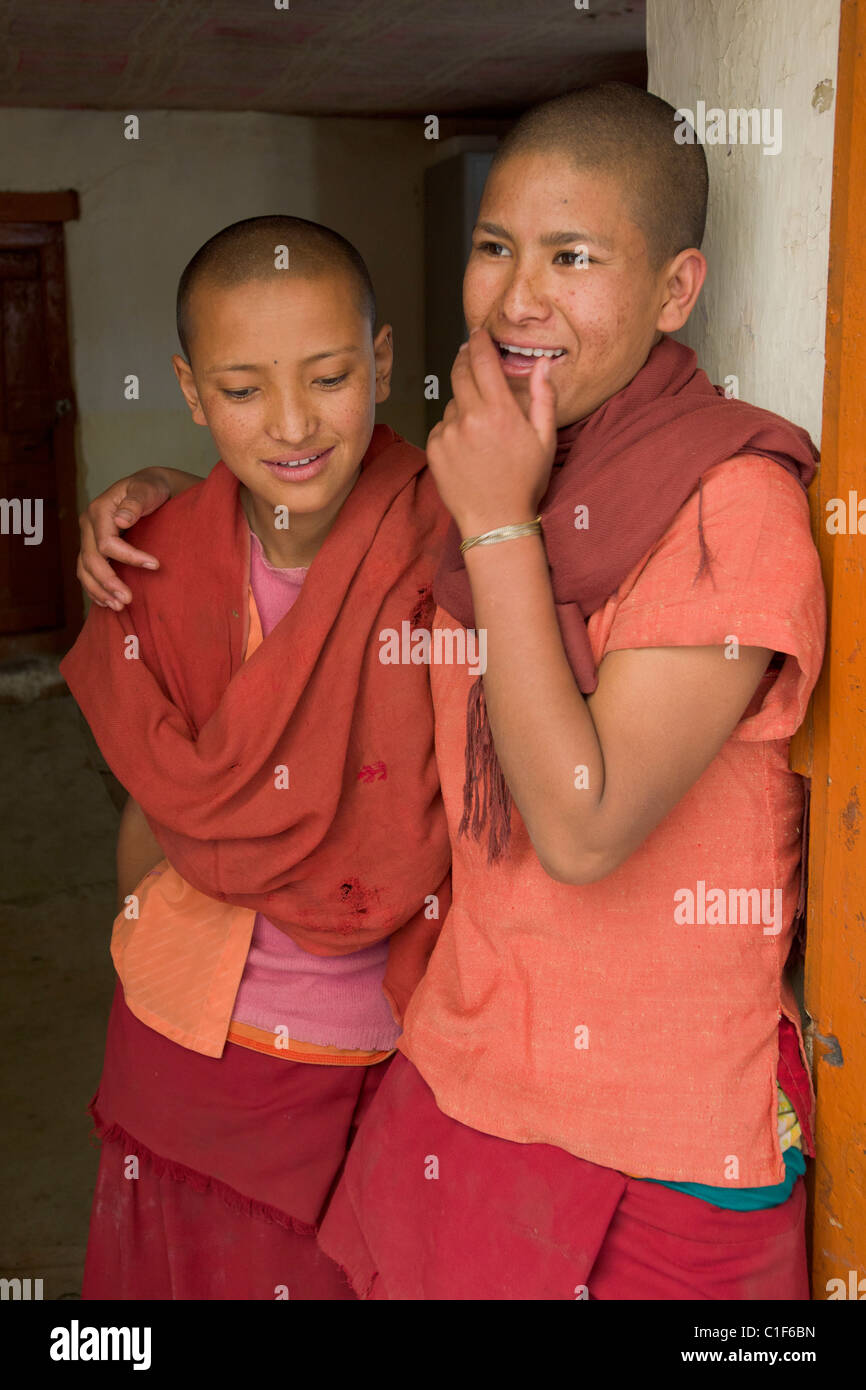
318	57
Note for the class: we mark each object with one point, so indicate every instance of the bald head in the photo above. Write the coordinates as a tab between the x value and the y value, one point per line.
623	131
252	250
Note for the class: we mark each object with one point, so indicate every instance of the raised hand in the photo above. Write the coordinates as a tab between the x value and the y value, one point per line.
492	462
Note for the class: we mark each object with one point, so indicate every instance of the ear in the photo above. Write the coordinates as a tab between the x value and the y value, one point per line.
186	380
683	279
383	353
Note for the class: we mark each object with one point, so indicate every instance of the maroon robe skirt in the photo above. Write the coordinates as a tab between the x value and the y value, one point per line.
429	1208
215	1171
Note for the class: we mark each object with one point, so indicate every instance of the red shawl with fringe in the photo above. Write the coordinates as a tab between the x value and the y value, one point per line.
301	783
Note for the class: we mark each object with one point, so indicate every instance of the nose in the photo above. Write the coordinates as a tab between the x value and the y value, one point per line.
524	297
291	418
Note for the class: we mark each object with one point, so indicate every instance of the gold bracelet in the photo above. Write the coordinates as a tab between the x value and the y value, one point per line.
503	533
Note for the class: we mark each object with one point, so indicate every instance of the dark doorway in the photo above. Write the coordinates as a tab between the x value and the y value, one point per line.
40	605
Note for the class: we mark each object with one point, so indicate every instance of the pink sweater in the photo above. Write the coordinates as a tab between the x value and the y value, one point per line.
329	1000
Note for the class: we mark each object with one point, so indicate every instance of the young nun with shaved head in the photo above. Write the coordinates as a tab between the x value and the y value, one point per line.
284	836
600	1090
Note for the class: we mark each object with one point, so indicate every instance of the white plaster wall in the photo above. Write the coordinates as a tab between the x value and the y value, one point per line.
147	205
761	313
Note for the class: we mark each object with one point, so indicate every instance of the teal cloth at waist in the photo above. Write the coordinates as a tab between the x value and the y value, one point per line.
745	1198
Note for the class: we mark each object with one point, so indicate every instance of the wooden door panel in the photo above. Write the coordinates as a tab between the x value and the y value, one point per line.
38	595
19	265
831	746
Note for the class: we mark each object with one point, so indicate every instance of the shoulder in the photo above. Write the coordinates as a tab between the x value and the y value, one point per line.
396	454
194	536
757	576
750	490
753	516
387	445
171	525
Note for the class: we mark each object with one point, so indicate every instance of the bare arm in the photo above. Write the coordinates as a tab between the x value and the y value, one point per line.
650	729
116	509
138	850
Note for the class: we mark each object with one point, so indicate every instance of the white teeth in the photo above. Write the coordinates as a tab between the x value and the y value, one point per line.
299	463
532	352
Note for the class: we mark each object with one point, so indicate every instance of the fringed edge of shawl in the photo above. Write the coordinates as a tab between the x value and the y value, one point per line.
485	792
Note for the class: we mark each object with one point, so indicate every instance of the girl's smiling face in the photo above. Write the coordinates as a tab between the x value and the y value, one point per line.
558	264
286	375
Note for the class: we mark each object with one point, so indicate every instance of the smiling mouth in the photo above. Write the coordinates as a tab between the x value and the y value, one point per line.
511	350
295	463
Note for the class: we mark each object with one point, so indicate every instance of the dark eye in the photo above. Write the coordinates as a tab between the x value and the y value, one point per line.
241	395
328	381
576	259
492	248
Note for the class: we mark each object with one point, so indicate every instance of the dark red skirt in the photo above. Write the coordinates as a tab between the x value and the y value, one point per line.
215	1171
428	1208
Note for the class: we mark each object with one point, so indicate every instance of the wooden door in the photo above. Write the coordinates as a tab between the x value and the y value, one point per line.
831	746
40	606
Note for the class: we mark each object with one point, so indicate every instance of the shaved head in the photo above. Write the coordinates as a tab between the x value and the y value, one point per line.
623	131
252	250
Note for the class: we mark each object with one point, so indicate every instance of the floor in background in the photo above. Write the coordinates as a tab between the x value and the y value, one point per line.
58	824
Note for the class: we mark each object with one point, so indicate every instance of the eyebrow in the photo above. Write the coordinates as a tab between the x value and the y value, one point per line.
256	367
551	238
